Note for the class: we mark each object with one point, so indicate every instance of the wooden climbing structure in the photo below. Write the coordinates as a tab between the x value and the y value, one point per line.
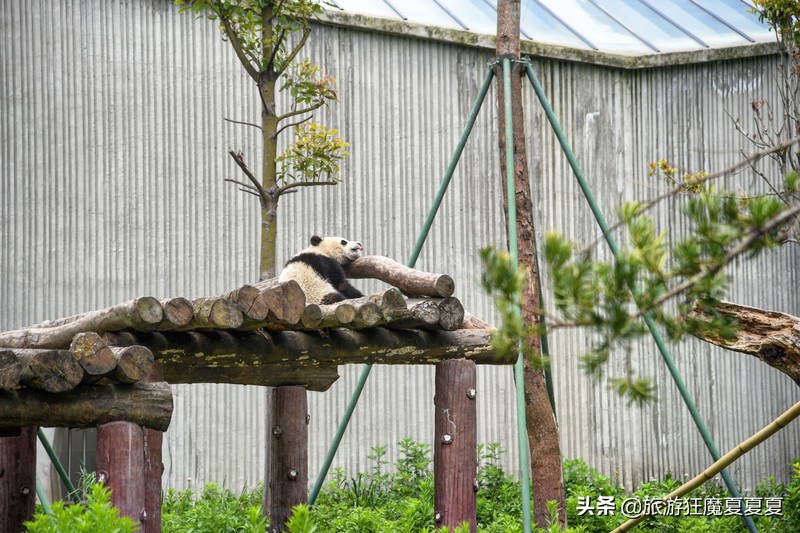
111	368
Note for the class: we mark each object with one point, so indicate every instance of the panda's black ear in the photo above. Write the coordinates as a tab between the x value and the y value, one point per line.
315	240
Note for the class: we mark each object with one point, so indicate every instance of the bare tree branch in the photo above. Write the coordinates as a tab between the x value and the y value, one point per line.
238	48
275	48
301	111
245	185
293	53
287	188
242	123
237	156
275	135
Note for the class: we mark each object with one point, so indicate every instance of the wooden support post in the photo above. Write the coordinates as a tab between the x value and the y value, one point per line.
288	460
17	478
455	455
153	467
120	465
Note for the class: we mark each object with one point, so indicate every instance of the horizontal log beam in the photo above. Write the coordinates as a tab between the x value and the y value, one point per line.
142	313
771	336
408	280
187	355
145	404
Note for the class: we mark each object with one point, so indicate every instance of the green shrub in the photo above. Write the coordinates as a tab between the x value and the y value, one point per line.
95	516
216	509
401	501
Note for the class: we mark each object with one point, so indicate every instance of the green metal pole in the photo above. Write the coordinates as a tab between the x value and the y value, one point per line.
362	380
451	168
522	432
43	499
73	492
651	325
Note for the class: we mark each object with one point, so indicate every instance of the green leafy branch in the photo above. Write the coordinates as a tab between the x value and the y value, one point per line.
242	23
650	274
504	281
313	159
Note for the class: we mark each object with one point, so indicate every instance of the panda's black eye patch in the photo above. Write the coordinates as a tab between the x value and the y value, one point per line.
344	242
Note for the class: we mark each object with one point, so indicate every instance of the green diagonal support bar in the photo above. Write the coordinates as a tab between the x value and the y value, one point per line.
651	325
73	492
362	380
42	495
522	432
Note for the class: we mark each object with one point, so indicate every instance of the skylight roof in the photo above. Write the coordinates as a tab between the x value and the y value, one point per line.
627	27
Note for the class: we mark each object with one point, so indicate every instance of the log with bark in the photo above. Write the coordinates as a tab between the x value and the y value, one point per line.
410	281
49	370
142	313
214	313
178	312
249	301
133	363
89	360
242	357
93	354
285	299
771	336
10	369
146	404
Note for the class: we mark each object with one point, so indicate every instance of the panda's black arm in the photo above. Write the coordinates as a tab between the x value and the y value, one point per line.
348	290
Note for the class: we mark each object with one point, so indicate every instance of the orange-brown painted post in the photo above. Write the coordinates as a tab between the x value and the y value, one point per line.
17	477
455	456
120	465
288	470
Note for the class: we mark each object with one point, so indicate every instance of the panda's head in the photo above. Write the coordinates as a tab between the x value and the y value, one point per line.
341	250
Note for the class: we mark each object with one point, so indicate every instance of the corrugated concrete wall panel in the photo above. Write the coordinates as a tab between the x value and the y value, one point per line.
114	150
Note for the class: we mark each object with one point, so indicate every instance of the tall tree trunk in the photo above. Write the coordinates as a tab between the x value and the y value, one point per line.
542	429
281	492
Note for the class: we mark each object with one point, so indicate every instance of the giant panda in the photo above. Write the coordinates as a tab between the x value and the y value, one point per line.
319	269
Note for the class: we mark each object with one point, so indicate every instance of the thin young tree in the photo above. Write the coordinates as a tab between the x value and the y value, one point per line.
267	37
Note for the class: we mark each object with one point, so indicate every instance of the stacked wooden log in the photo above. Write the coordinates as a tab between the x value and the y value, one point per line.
263	334
87	360
85	376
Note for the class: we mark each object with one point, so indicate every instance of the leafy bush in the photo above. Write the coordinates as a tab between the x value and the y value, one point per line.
400	500
216	509
95	516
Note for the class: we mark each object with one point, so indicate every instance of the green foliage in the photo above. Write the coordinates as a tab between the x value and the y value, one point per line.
667	280
402	502
243	22
95	516
504	281
314	156
781	15
216	509
301	520
259	32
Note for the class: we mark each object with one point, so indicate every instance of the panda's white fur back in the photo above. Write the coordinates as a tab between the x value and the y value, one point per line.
318	269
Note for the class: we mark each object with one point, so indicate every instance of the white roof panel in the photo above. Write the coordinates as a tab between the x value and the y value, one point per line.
628	27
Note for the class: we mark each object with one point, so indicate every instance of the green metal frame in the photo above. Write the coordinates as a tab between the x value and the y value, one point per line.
73	492
651	325
423	235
